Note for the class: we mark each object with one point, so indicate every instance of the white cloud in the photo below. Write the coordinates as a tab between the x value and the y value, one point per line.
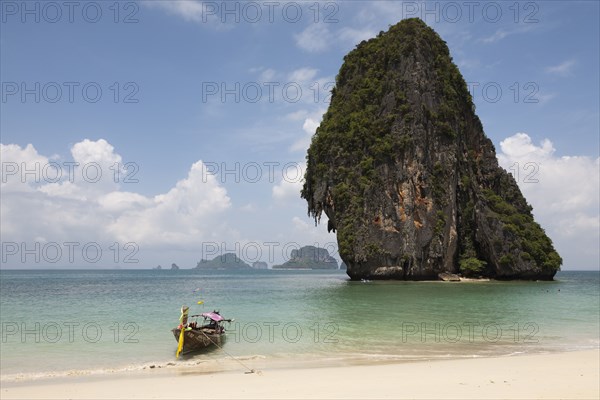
119	202
268	75
545	97
558	184
100	151
290	185
94	169
264	74
502	33
189	10
297	115
520	147
79	210
315	38
182	216
17	163
206	13
303	75
311	123
355	36
310	126
498	35
467	63
564	192
368	19
97	169
562	69
301	85
250	208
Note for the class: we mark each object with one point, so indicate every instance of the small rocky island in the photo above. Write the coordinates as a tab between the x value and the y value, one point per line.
409	181
229	261
309	257
260	265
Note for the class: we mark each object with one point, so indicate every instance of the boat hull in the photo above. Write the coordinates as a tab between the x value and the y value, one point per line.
198	339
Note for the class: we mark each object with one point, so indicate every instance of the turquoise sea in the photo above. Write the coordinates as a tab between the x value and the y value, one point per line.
57	322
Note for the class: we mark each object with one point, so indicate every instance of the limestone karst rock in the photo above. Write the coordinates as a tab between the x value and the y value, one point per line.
409	181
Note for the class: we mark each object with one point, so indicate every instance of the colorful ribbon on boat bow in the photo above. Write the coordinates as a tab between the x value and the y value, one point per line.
183	320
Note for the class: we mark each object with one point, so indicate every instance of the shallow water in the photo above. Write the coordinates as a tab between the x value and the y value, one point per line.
55	321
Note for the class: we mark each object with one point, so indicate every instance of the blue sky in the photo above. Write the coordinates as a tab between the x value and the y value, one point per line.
169	73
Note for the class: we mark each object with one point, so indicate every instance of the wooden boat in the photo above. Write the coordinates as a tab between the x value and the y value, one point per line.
210	332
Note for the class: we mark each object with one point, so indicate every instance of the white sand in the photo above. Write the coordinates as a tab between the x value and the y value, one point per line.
549	376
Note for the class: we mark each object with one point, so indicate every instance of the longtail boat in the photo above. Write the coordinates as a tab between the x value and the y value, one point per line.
197	336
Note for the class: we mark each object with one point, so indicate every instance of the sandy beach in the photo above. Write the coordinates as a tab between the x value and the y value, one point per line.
572	375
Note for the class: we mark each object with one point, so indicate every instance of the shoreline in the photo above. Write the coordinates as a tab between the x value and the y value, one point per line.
224	363
552	375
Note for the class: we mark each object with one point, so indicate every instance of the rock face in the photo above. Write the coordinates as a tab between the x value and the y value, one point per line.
225	261
174	266
403	170
309	257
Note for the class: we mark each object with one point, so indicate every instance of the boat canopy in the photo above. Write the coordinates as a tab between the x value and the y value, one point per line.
212	315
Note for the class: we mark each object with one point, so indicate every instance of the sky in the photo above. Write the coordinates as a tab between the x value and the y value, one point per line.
145	133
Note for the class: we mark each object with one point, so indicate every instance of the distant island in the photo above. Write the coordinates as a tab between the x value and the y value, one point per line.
309	257
225	261
306	258
260	265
